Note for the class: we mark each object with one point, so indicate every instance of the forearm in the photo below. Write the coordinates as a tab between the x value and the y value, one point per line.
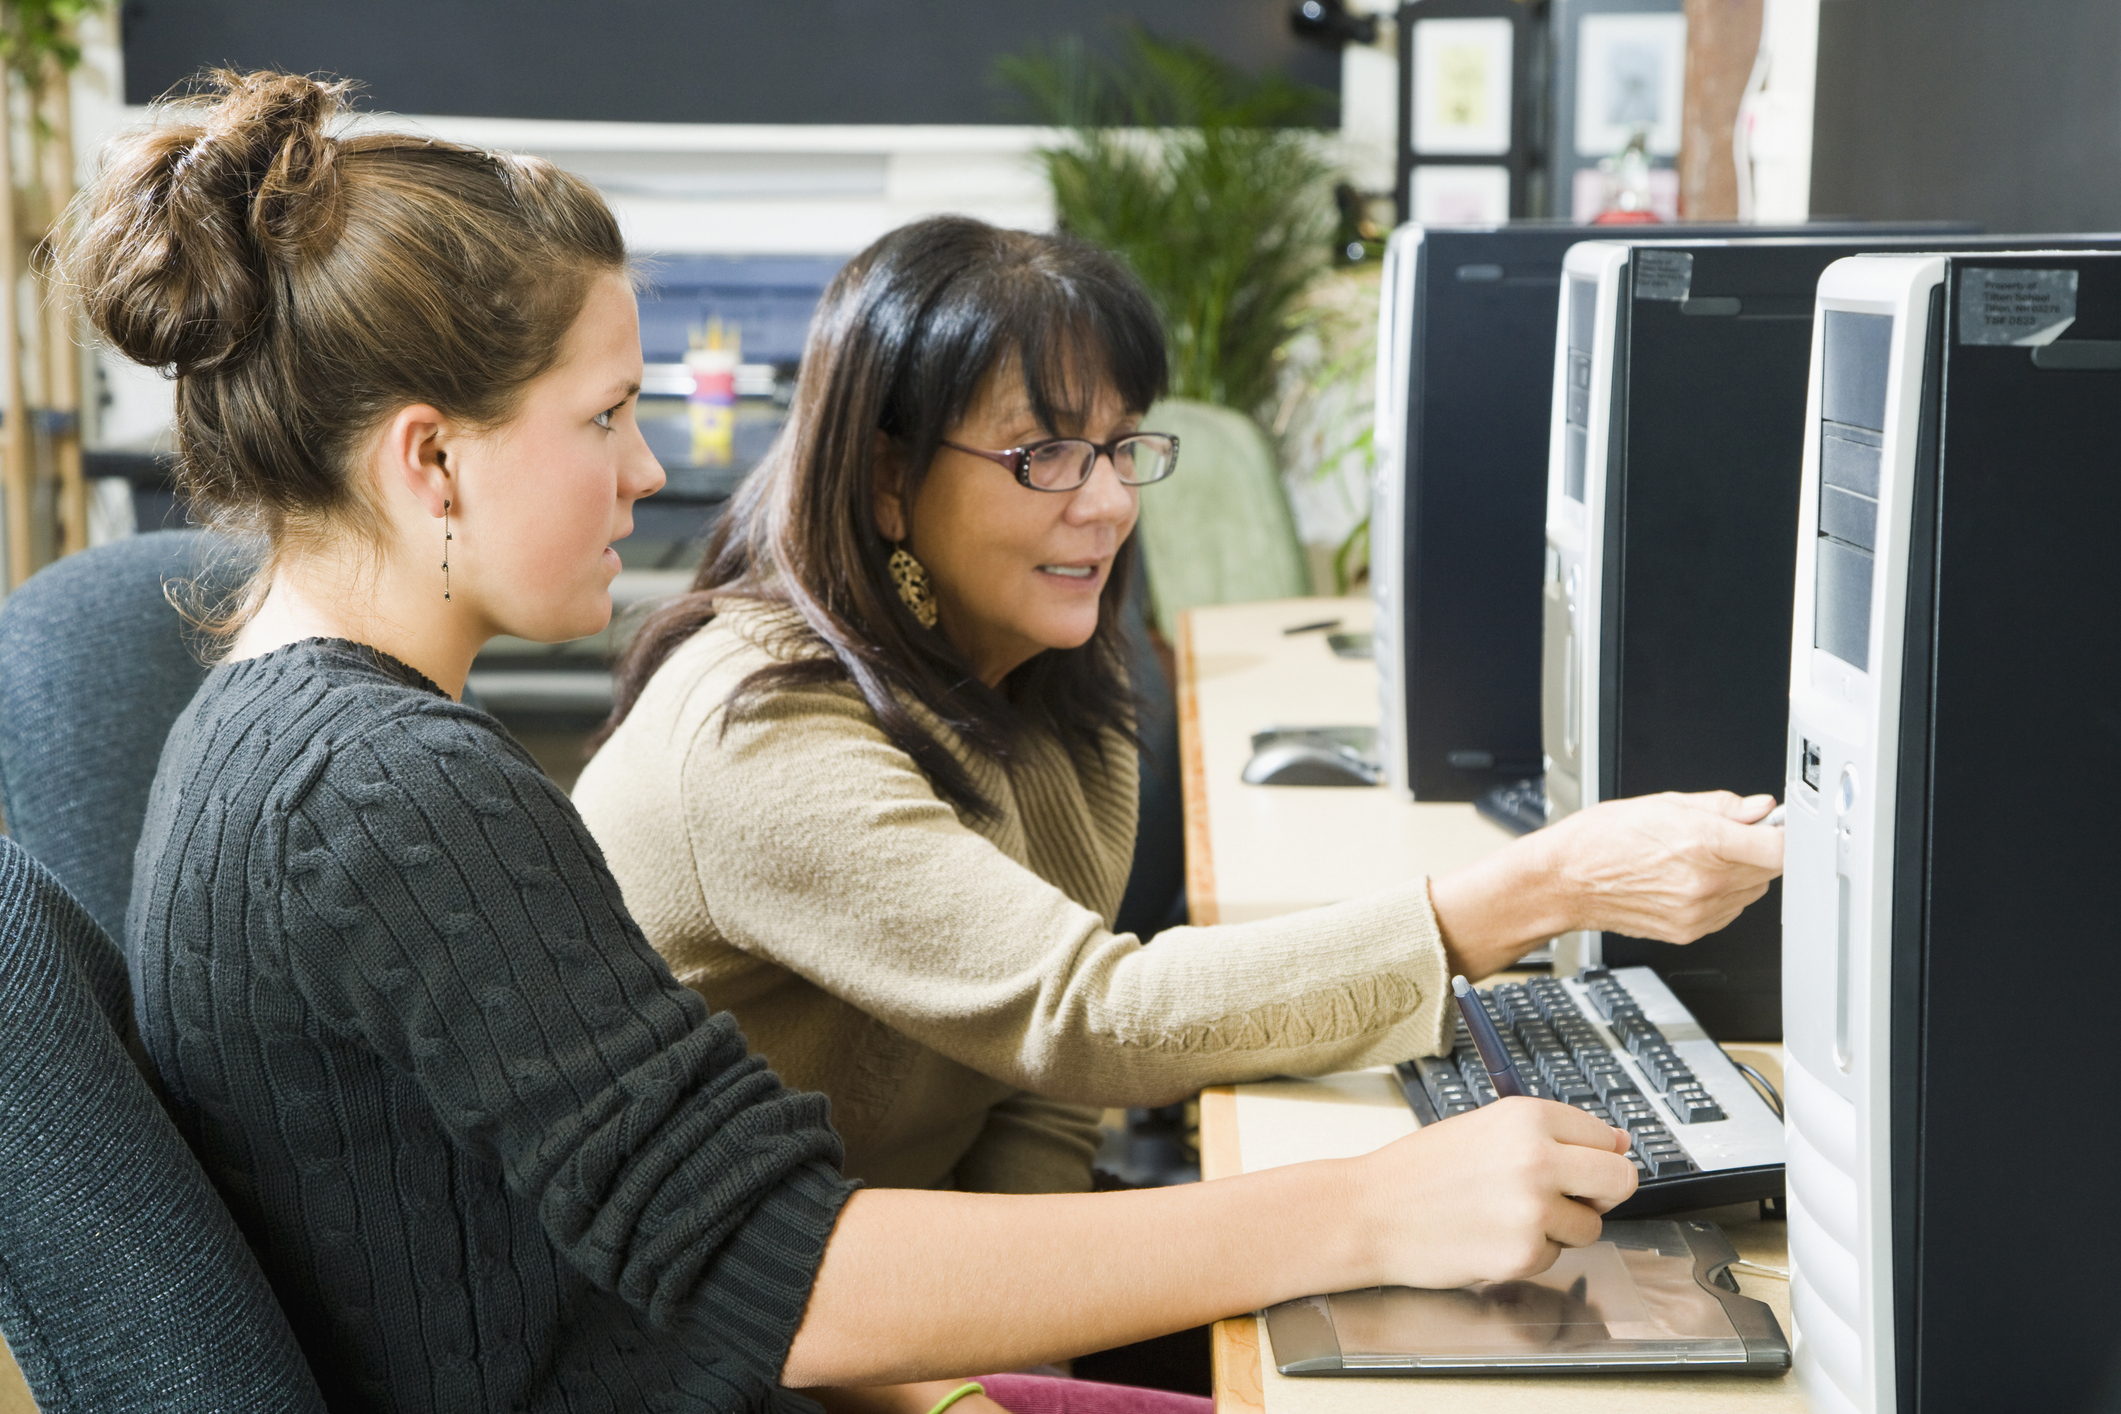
1670	867
1339	987
918	1286
1495	910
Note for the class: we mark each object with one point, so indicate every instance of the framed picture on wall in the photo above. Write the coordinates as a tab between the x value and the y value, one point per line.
1630	76
1466	101
1460	195
1462	88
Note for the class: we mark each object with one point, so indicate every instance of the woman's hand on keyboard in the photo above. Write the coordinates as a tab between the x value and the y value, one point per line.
1494	1194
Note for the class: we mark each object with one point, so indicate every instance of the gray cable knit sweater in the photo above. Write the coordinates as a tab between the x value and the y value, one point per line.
491	1155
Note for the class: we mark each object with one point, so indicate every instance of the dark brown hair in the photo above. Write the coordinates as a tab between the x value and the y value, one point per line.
902	342
301	286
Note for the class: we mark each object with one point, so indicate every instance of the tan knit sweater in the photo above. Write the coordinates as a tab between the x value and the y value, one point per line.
937	975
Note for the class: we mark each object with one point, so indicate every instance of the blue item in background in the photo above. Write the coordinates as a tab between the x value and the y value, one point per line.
96	663
125	1285
770	297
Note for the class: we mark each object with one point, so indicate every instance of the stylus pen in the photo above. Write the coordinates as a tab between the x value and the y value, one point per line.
1488	1041
1775	816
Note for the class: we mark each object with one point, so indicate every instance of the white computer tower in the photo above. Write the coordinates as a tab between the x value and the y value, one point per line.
1954	755
1576	562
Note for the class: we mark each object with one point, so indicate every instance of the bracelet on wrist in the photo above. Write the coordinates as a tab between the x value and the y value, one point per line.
969	1387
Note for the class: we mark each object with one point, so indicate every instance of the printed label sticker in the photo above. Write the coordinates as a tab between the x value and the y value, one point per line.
1663	274
2022	307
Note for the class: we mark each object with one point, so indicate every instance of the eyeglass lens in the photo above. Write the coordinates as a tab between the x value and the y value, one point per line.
1066	464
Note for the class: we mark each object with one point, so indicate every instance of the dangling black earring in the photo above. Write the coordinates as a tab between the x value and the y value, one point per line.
446	538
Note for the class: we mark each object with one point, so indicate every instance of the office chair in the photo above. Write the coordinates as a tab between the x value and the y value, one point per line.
124	1283
95	667
1154	1150
1156	884
1219	531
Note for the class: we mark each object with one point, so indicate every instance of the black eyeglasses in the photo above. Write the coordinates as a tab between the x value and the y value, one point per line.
1065	463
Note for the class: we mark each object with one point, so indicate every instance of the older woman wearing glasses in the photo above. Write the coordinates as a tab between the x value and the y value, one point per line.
872	783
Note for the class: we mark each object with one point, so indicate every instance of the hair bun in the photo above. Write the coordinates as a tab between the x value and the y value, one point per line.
173	252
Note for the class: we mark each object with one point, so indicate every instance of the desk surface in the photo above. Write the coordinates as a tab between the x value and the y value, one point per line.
1257	851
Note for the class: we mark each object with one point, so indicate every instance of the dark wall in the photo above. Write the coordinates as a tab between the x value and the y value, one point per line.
2008	114
702	61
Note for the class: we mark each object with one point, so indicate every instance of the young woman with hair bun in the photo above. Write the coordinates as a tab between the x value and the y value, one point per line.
490	1153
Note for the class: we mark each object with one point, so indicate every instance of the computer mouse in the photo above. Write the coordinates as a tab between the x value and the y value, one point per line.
1308	763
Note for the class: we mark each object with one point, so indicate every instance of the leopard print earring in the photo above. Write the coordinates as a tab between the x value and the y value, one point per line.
911	579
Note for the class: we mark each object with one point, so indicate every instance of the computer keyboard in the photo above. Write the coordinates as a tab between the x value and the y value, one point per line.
1617	1044
1519	807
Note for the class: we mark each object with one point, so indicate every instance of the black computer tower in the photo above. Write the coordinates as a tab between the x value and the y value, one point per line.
1465	356
1458	513
1702	488
1954	757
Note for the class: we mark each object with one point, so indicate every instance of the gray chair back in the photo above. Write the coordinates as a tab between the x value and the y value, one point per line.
95	667
124	1283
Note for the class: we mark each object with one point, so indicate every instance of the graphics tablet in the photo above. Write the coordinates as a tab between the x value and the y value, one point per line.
1649	1295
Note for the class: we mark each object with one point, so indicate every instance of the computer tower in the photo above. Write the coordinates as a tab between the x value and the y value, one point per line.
1465	377
1676	433
1464	348
1954	757
1465	363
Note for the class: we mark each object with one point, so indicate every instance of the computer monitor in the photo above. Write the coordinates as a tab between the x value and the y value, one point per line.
1954	757
1465	361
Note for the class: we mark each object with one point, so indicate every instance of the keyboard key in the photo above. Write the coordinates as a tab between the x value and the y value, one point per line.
1538	1036
1697	1109
1668	1165
1664	1068
1609	1083
1637	1033
1436	1070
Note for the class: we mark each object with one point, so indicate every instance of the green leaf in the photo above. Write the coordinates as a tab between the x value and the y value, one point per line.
1202	178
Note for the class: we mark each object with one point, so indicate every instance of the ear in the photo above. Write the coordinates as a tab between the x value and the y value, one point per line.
888	505
415	458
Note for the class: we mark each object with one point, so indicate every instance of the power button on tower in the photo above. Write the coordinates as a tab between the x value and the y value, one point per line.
1845	796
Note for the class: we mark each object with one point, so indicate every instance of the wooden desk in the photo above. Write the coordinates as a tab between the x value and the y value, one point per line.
1257	851
14	1390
